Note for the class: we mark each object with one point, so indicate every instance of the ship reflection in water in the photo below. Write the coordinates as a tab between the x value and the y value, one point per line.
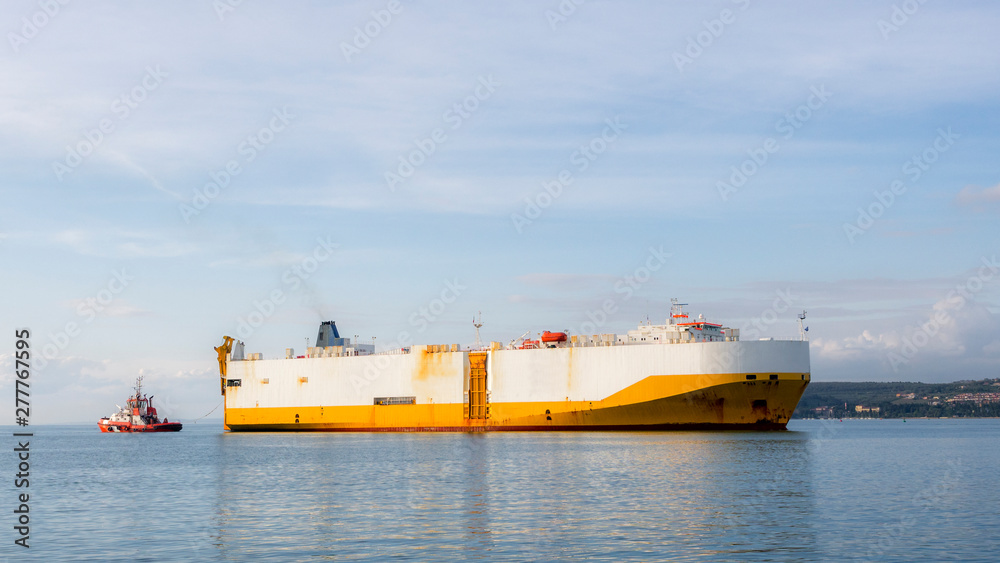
639	495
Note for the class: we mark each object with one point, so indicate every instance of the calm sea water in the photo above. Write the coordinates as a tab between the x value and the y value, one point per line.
856	490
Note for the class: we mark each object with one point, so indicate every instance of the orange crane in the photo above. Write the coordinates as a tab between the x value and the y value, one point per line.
226	348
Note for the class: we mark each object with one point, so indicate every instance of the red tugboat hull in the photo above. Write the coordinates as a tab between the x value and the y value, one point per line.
106	426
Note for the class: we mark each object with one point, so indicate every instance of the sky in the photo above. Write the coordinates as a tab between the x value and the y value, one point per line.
175	172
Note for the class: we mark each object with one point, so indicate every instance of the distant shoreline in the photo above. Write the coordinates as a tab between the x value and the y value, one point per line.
903	418
900	399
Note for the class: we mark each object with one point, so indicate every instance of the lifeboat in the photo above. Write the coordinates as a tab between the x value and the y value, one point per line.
550	337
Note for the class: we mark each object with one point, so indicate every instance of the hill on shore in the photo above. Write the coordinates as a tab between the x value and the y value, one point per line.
900	399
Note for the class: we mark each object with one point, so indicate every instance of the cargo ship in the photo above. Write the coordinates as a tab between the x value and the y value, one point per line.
683	374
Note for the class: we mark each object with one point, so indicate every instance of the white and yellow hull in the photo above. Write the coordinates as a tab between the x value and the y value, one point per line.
750	384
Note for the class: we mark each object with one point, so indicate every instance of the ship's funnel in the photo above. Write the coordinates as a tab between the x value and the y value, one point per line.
329	335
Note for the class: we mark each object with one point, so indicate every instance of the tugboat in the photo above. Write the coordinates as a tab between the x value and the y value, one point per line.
138	416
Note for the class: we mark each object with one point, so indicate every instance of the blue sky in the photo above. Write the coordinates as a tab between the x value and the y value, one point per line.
172	171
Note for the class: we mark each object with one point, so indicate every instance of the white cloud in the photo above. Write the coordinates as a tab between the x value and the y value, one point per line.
955	338
564	281
119	244
974	195
272	259
117	308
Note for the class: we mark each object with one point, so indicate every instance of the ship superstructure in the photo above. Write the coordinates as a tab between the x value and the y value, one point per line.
681	374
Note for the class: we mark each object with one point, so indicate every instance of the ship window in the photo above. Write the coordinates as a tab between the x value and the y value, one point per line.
395	400
751	377
234	382
774	377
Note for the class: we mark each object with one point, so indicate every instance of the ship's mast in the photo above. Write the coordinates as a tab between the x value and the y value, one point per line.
802	329
478	324
676	310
